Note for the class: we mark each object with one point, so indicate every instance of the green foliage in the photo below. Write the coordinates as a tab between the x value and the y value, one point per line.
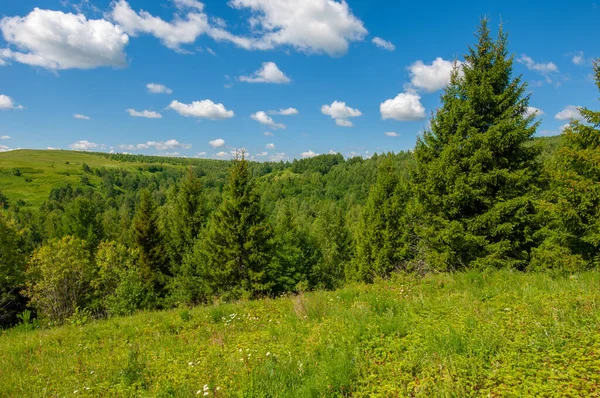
572	207
12	272
466	334
476	175
382	243
237	250
119	286
149	243
60	273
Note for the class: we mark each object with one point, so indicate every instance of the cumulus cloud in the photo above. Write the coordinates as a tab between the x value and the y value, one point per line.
56	40
531	110
155	88
405	107
391	134
543	68
265	119
222	155
219	142
578	58
205	109
7	103
82	117
158	145
432	77
200	155
384	44
86	145
183	4
182	30
309	154
285	112
270	146
4	137
268	73
570	112
316	26
145	113
340	112
4	148
268	134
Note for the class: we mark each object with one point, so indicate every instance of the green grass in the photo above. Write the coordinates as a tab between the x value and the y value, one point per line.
47	170
467	334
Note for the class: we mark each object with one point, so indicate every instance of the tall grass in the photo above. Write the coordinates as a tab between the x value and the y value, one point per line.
464	334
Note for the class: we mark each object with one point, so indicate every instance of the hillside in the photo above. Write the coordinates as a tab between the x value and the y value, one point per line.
465	334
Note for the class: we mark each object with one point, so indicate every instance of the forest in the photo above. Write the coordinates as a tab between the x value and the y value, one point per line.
478	192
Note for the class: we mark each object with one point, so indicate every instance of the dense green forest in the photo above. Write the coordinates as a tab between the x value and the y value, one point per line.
478	191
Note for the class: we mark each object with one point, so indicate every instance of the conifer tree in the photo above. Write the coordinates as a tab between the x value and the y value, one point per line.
573	233
148	240
381	242
187	217
476	168
238	248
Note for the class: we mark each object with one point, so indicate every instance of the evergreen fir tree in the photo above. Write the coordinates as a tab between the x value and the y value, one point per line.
381	241
149	242
238	249
573	233
476	168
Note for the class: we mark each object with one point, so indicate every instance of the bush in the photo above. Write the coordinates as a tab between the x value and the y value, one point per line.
60	273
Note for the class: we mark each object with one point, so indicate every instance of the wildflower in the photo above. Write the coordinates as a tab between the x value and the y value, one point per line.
190	363
217	389
205	387
268	354
205	393
198	392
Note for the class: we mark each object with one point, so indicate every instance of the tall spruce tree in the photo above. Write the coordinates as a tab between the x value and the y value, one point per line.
148	240
238	248
573	233
381	242
476	169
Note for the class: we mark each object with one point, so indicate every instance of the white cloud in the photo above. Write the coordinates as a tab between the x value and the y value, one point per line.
86	145
155	88
384	44
200	155
268	134
309	154
202	109
432	77
4	137
82	117
4	148
7	102
542	68
219	142
531	110
221	155
56	40
578	58
268	73
278	157
314	26
285	112
265	119
344	123
270	146
261	154
570	112
405	107
172	34
340	112
158	145
391	134
183	4
145	113
211	52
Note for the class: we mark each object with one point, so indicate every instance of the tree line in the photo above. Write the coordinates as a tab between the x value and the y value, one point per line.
477	192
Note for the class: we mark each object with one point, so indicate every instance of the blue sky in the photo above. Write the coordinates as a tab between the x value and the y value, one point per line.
345	73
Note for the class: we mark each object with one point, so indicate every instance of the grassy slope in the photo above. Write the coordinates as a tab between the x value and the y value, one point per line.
47	170
496	334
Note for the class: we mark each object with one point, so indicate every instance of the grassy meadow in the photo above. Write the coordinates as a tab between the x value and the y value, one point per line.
453	335
42	170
